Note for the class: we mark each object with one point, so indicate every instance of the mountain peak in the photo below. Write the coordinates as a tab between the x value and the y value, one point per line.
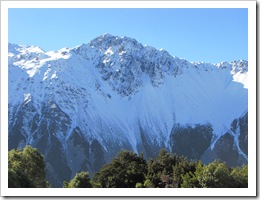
104	40
121	61
89	102
107	40
236	66
24	48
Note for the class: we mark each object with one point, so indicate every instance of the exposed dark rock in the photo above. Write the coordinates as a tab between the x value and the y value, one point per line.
243	137
190	141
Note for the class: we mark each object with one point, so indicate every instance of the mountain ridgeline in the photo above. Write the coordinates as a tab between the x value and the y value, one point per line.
81	106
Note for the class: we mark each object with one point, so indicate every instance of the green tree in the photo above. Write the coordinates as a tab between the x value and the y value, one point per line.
26	168
18	179
166	170
190	178
148	184
214	175
125	171
81	180
240	177
160	169
182	167
222	173
139	185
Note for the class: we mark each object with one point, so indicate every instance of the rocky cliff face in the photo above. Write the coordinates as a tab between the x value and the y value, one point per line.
80	106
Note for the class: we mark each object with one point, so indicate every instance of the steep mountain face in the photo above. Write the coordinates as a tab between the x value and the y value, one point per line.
80	106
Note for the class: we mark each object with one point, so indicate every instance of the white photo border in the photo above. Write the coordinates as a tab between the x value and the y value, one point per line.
100	192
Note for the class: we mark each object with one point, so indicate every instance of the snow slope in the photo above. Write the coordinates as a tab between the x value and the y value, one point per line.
113	88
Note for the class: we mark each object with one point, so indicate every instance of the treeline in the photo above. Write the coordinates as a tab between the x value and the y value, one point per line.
26	169
129	170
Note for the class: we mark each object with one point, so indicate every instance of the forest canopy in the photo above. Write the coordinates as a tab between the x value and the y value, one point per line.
26	169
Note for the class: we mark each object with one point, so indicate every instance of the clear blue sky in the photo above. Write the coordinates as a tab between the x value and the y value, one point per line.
209	35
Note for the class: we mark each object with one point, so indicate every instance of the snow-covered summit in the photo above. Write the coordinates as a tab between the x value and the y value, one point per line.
107	40
23	49
115	93
116	52
122	66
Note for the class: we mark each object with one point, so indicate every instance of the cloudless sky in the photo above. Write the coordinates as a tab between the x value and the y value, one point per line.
209	35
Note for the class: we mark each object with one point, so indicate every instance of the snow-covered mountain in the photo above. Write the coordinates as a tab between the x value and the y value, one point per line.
80	106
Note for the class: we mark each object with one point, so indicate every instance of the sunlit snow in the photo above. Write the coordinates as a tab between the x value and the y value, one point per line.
182	92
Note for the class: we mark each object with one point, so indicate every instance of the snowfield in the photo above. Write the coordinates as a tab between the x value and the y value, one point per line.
112	86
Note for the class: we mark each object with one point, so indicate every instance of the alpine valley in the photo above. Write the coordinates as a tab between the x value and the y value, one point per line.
80	106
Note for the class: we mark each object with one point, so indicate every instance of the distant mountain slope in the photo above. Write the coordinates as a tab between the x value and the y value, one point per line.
80	106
